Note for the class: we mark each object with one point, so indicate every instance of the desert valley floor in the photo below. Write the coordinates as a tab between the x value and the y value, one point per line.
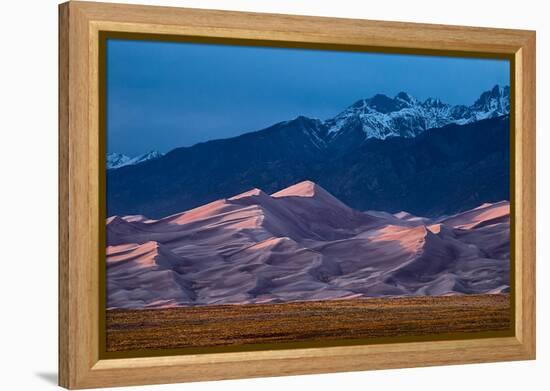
316	321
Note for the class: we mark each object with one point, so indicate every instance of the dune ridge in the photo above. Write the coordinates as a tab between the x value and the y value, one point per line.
299	244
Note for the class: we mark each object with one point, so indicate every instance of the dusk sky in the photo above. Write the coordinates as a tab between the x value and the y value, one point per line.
165	95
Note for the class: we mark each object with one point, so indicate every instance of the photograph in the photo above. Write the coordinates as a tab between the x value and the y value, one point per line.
264	195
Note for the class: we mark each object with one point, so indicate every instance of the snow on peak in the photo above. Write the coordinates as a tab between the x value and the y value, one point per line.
434	102
405	116
494	102
117	160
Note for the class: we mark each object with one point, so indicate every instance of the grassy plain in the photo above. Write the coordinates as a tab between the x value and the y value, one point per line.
234	325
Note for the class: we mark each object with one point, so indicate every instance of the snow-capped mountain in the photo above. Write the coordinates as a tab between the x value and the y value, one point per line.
447	149
405	116
492	103
117	160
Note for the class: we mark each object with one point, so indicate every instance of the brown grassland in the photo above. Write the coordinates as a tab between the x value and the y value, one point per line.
234	325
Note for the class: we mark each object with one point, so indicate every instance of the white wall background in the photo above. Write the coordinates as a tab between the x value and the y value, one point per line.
28	194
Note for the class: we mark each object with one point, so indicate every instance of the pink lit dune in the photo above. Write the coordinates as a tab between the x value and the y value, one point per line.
301	243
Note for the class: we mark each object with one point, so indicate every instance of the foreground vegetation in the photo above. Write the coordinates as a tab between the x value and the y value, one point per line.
233	325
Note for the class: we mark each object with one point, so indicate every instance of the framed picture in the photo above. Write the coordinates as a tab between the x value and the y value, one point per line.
247	195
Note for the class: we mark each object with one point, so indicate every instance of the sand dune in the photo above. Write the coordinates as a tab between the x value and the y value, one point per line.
301	243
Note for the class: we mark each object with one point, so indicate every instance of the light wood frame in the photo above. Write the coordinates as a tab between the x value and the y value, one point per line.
80	365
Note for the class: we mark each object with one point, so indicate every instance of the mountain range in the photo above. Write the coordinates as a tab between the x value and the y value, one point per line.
117	160
405	116
381	153
301	243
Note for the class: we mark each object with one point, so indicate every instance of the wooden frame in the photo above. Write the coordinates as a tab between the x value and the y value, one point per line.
80	23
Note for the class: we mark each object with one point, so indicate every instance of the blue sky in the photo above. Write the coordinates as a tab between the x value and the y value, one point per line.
163	95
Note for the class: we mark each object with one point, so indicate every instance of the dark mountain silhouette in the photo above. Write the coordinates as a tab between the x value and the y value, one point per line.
440	171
